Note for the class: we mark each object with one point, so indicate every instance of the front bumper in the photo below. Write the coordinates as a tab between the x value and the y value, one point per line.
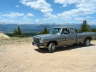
41	45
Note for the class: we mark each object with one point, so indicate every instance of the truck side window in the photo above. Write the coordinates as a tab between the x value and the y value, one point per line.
65	31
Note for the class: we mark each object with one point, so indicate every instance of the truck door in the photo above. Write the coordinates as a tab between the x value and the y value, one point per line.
72	36
67	37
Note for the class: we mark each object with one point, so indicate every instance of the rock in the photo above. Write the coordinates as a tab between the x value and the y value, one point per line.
4	36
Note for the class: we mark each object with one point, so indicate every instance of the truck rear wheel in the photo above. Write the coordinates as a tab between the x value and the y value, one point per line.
87	42
51	47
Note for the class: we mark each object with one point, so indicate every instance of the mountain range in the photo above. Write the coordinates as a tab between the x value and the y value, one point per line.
28	28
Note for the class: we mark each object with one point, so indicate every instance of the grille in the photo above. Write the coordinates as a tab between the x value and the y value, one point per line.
36	40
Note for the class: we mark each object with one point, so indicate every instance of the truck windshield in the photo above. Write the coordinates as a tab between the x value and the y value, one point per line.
54	31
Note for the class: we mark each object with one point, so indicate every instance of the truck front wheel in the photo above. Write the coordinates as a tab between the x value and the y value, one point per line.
87	42
51	47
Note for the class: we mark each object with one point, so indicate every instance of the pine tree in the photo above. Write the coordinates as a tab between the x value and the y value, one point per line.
17	31
85	27
45	31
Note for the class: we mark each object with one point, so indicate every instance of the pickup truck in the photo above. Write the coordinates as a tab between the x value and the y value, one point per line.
62	36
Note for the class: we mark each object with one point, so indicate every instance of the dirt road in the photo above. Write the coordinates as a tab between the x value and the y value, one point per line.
23	57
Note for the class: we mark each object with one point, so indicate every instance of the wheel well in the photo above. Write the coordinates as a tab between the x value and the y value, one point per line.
52	42
88	38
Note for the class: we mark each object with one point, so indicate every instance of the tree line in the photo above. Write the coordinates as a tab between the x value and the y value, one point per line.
85	27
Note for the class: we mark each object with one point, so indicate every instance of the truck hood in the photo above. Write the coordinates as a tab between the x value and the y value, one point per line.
45	36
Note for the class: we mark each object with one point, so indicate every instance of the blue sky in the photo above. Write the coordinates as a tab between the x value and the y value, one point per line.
47	11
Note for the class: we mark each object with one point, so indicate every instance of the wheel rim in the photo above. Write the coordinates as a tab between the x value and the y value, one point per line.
87	42
51	47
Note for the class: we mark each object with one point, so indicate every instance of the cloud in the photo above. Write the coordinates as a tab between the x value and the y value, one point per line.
16	17
17	6
40	5
29	14
83	7
66	2
13	14
17	14
83	10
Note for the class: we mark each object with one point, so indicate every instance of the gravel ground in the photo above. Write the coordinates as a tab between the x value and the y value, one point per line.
18	55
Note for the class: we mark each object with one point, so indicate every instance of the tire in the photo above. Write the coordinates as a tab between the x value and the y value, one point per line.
87	42
51	47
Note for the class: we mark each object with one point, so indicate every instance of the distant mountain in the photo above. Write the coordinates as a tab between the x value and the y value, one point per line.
29	28
7	28
93	26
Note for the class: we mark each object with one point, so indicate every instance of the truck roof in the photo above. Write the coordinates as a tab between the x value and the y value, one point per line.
63	27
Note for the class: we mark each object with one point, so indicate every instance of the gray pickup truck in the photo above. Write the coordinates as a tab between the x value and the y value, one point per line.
62	36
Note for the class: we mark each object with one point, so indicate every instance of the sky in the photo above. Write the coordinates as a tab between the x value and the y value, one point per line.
47	11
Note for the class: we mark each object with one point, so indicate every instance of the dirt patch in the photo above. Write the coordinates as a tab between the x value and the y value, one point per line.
23	57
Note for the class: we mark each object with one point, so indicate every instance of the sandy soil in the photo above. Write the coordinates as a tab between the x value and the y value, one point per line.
21	56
